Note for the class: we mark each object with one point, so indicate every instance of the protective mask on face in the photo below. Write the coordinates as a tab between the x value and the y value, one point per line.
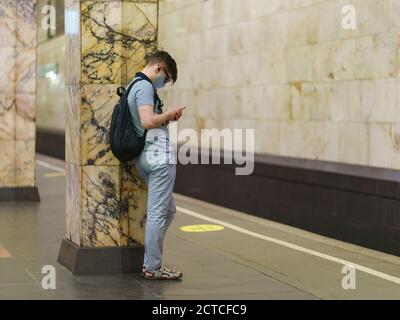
159	81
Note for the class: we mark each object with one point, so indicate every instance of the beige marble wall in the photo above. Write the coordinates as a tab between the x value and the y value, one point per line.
288	69
17	93
106	44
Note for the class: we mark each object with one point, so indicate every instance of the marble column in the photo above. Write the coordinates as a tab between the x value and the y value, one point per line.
107	43
17	100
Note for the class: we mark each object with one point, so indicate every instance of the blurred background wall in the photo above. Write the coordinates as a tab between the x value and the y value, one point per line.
51	62
51	71
311	90
288	69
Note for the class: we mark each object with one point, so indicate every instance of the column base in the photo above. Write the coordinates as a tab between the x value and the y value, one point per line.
20	194
107	260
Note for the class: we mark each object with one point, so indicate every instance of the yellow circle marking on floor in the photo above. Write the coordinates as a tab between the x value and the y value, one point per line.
202	228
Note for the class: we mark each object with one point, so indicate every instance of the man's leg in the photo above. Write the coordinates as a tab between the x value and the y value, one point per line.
141	169
171	211
141	166
171	200
159	209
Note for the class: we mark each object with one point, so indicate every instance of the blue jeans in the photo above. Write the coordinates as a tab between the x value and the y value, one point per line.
161	208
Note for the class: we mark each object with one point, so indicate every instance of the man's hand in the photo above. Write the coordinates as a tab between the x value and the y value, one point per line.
179	113
151	120
175	113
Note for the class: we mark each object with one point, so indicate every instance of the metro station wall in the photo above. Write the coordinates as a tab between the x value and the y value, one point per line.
17	93
51	115
289	70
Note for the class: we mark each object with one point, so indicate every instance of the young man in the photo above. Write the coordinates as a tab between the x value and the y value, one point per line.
156	164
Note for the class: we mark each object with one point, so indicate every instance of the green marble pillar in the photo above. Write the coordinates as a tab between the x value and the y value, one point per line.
17	99
107	43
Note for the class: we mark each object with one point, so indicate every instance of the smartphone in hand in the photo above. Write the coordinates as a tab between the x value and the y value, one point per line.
182	108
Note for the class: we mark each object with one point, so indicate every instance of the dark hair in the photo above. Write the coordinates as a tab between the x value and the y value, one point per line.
169	62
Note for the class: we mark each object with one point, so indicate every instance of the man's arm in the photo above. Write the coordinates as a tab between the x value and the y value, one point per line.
145	106
151	120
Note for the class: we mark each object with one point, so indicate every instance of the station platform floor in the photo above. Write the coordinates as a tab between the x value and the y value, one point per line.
251	258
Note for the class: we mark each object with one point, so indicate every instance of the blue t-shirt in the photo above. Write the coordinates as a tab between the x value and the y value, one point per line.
141	94
157	139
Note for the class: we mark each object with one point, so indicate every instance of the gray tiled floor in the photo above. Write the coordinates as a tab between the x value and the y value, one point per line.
216	265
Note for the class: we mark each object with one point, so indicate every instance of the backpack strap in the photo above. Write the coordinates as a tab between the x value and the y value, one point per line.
139	77
157	100
131	85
